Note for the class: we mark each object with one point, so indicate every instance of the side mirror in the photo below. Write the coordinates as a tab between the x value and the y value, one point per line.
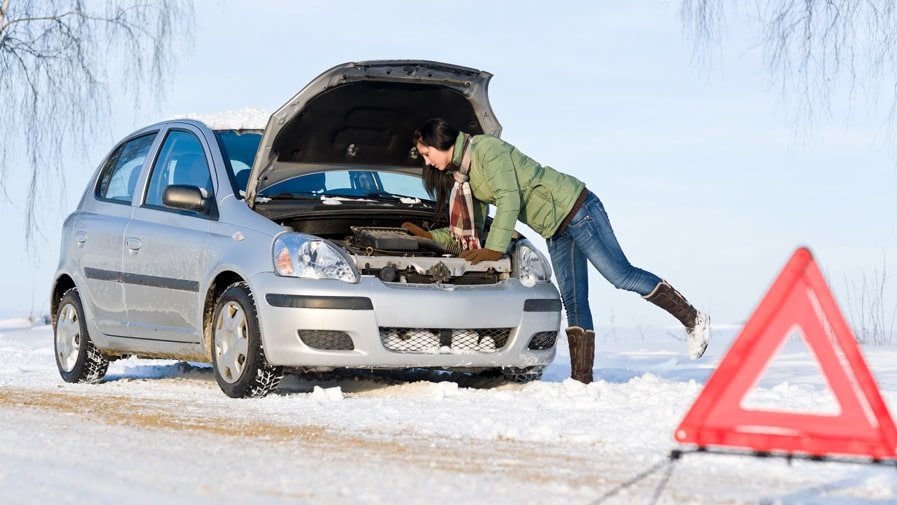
178	196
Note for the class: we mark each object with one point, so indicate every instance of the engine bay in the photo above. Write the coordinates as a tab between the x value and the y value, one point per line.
379	246
379	241
394	255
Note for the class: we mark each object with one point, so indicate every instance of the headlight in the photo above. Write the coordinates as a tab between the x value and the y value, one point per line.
308	257
532	267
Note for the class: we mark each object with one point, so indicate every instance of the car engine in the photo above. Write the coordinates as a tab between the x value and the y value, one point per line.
394	255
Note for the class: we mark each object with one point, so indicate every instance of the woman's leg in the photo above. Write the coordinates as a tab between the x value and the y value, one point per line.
592	234
571	271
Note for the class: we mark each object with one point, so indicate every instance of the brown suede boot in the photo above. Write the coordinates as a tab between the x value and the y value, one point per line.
697	324
582	353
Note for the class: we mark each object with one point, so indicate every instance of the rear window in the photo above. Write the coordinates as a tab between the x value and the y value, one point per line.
119	178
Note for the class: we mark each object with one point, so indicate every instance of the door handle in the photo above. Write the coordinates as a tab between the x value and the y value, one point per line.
133	243
81	237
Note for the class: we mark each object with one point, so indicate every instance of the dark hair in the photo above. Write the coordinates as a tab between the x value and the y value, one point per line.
438	134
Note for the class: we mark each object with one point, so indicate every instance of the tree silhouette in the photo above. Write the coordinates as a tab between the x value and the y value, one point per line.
60	62
813	48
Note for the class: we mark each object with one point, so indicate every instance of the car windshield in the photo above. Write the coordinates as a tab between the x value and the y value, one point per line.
350	184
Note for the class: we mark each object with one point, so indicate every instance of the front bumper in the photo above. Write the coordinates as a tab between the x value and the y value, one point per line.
326	324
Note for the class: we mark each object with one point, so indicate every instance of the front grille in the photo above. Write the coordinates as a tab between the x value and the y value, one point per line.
543	340
327	340
436	341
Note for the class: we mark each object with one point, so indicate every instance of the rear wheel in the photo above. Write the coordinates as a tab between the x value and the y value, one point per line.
77	359
237	355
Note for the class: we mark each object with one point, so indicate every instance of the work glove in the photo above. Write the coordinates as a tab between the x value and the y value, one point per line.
416	230
475	256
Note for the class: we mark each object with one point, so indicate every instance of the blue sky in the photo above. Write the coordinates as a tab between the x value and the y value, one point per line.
704	177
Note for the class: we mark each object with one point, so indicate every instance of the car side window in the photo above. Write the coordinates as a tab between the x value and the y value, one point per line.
181	161
118	179
238	149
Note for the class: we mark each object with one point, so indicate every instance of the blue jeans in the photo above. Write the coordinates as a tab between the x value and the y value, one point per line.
589	236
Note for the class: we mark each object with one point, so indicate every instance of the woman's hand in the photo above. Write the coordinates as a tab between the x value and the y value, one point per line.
475	256
416	230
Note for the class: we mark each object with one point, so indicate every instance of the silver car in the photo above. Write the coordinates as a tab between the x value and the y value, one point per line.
278	249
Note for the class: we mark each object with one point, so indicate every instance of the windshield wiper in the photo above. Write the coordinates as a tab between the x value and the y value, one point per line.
301	195
383	195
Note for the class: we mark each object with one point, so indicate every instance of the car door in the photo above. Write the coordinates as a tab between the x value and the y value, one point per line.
98	232
164	247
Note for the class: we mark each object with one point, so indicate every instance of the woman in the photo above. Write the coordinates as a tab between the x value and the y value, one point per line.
558	207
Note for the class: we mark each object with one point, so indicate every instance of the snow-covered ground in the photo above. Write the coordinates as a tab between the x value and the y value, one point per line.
161	432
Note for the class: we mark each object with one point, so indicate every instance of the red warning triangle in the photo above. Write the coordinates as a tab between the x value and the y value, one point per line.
799	300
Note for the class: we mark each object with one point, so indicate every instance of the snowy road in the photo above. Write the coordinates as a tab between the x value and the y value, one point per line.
162	432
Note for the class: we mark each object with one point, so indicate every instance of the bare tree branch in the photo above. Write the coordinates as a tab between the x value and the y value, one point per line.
60	60
813	48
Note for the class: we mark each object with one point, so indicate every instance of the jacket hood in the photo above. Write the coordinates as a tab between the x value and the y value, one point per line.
364	113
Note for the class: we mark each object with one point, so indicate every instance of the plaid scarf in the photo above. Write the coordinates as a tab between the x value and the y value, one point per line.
461	204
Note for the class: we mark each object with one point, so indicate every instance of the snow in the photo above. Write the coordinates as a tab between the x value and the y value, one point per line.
161	431
248	118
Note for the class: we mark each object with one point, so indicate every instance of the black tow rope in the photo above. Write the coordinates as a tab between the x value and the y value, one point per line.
665	464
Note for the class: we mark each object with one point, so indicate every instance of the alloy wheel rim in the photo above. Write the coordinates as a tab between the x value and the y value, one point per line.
231	342
68	338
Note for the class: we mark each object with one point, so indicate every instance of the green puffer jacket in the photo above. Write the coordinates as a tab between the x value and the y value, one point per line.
520	188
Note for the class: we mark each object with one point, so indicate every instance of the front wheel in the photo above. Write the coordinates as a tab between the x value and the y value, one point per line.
522	375
237	355
77	359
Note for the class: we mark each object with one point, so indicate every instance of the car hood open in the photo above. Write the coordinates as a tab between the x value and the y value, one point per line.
363	114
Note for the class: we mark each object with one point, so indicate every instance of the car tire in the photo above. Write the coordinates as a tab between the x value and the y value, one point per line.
237	355
522	375
77	359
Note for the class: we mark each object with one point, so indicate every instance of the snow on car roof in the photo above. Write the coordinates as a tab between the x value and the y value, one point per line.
248	118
